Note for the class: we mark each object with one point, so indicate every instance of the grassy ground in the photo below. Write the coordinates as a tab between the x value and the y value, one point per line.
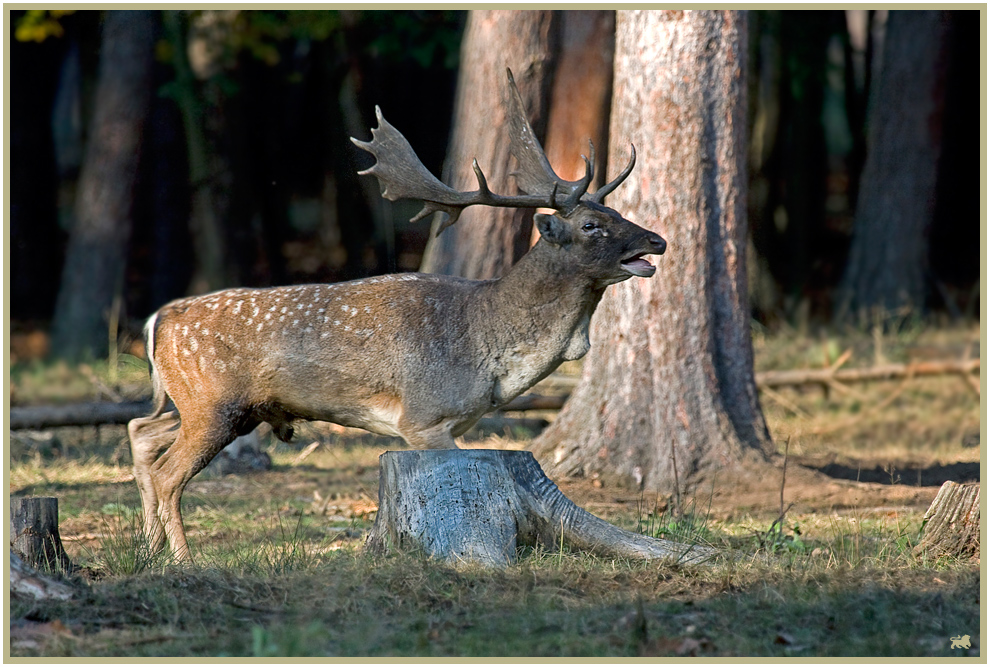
280	571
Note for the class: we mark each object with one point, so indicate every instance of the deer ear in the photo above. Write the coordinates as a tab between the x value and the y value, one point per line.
553	230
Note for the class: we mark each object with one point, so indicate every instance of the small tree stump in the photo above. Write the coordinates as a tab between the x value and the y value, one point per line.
34	533
479	505
951	525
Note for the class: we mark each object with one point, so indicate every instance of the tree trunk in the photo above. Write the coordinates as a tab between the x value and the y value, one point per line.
204	222
34	533
888	260
96	256
668	394
479	505
485	242
952	523
580	95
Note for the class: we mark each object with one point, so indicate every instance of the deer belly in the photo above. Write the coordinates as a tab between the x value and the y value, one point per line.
379	413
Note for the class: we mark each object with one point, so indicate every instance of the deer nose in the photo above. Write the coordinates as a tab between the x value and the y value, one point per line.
659	245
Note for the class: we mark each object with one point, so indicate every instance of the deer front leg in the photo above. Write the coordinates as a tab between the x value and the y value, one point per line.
436	437
150	436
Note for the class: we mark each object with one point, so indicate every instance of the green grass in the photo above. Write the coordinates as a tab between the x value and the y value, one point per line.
344	603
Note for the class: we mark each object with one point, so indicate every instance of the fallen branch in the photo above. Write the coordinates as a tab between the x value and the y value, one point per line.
76	414
791	378
26	580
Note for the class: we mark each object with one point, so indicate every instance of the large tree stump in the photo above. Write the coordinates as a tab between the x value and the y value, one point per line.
952	524
34	533
479	505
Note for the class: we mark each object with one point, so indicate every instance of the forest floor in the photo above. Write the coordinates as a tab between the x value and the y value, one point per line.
280	571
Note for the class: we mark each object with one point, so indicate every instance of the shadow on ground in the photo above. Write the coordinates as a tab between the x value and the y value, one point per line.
933	475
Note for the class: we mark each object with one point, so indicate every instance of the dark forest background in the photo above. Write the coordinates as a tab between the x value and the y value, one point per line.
245	175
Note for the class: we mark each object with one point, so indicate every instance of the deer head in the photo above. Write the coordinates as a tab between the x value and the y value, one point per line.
581	223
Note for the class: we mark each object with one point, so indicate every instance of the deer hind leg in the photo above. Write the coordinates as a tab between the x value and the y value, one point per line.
150	436
198	441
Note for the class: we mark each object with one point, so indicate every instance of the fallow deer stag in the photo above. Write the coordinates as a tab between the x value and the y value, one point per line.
418	356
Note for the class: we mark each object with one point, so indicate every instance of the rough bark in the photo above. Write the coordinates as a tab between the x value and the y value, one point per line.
952	523
96	255
485	243
668	395
581	95
478	505
888	260
34	533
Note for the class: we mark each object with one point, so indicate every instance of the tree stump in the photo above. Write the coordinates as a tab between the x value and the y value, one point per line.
34	533
951	526
478	505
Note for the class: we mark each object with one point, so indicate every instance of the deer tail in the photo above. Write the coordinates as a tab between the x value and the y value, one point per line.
159	395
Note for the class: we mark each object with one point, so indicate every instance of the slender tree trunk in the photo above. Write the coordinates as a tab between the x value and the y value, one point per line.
668	393
96	256
485	243
204	222
888	260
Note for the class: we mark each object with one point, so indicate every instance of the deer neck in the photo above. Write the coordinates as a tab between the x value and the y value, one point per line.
539	314
545	280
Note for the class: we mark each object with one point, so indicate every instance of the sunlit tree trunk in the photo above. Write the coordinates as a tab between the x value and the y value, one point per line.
581	94
96	255
668	394
888	260
485	242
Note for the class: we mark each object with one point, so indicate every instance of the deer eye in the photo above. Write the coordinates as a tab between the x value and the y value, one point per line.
588	226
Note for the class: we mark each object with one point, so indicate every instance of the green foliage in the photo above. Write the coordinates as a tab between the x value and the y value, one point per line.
37	25
259	32
426	37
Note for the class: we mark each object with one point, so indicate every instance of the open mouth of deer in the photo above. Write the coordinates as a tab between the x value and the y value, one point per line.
638	266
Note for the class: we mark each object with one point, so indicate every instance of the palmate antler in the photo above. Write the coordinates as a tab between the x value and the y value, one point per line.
402	175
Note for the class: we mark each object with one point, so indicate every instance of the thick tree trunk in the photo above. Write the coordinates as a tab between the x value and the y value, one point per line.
479	505
888	260
96	256
952	523
668	394
34	533
581	95
485	242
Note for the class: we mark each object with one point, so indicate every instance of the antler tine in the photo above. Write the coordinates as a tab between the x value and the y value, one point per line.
603	191
582	189
402	175
535	175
